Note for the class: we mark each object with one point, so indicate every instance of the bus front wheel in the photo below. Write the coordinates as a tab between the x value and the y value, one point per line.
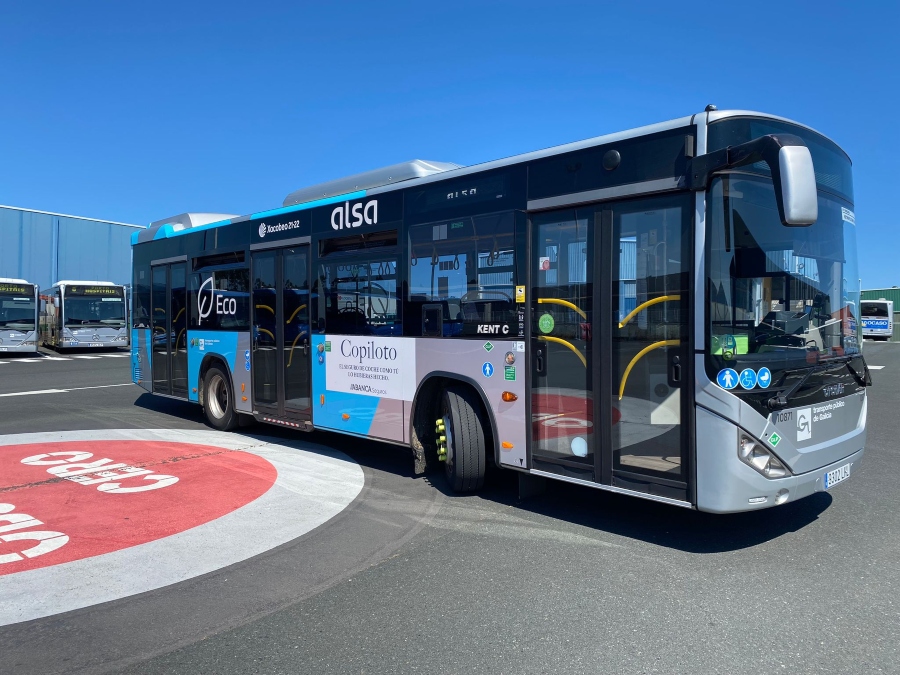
218	401
464	425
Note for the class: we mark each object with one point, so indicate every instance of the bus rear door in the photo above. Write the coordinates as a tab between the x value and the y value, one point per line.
281	332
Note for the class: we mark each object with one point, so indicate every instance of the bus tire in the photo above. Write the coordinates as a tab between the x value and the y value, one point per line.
465	423
218	400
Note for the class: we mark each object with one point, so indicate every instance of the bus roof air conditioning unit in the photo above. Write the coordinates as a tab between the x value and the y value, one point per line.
395	173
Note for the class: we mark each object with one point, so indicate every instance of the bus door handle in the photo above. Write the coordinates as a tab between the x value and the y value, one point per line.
676	369
539	360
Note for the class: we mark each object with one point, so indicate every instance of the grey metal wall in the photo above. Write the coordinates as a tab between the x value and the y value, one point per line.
45	247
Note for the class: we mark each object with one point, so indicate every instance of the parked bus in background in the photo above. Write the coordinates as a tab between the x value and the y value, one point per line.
84	315
18	316
878	319
667	312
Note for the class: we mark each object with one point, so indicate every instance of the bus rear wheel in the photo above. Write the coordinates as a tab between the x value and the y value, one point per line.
463	423
218	401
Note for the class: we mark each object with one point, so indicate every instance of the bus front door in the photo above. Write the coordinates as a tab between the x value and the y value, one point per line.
609	340
169	356
281	356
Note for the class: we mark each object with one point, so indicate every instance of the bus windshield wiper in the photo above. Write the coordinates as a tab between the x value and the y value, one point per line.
781	399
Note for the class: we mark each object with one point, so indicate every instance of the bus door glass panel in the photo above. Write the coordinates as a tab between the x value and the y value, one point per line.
178	330
265	330
159	301
650	365
562	362
295	345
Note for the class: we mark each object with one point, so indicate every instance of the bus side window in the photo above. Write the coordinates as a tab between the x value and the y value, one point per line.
465	265
357	297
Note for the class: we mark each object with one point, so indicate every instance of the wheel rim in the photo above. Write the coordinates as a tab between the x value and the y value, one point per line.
217	396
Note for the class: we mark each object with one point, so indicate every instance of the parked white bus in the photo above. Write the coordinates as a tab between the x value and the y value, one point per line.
18	316
877	319
84	314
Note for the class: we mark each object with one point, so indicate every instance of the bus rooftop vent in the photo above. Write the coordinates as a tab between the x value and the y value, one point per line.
417	168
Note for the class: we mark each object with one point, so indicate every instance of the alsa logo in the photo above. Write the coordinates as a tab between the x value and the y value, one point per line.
345	216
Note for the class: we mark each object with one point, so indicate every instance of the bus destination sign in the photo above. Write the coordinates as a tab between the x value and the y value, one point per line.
96	291
16	289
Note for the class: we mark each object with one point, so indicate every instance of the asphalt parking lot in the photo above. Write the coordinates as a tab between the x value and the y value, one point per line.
403	576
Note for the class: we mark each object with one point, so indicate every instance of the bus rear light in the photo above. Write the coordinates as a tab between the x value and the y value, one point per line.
509	397
754	454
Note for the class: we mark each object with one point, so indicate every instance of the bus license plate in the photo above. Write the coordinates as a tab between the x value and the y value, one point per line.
840	474
95	344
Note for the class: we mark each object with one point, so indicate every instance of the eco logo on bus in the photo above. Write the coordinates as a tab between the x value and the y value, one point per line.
340	217
207	299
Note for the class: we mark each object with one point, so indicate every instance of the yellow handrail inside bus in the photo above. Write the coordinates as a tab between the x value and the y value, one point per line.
645	305
639	356
548	338
179	337
269	333
265	307
295	313
564	303
180	312
291	357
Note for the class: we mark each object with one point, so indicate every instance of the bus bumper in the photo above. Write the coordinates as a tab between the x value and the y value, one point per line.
726	485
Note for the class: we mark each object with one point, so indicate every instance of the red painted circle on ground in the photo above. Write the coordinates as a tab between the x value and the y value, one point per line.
80	506
559	415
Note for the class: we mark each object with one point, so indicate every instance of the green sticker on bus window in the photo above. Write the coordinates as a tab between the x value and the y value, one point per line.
546	323
774	439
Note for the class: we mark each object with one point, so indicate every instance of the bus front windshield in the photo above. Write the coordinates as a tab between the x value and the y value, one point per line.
779	297
83	311
17	312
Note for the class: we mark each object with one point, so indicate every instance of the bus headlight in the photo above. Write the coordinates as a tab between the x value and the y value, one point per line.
758	456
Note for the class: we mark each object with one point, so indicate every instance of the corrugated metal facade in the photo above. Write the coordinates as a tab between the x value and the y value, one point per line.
879	293
43	247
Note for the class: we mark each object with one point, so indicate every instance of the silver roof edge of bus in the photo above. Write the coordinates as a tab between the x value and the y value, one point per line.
386	175
717	115
10	280
81	282
183	221
188	220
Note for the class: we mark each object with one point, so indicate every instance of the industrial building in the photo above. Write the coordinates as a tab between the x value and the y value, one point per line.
44	247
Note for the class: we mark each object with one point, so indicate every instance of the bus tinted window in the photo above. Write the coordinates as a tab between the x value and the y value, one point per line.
874	309
467	266
220	300
358	297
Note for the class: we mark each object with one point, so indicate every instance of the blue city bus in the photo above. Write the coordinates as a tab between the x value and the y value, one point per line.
666	312
19	316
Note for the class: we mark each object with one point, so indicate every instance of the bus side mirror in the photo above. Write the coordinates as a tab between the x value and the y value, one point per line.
800	205
788	159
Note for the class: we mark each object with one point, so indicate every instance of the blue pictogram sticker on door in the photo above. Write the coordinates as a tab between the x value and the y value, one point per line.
727	378
748	378
764	377
487	369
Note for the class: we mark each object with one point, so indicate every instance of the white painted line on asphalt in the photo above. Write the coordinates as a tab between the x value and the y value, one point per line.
117	356
314	485
63	391
82	356
875	367
34	360
39	391
57	358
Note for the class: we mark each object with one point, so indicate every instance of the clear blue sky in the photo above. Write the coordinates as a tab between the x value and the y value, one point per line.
137	111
